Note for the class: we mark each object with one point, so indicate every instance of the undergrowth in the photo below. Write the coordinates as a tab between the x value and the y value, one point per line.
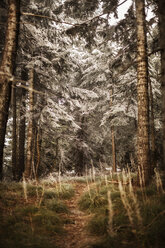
125	215
30	214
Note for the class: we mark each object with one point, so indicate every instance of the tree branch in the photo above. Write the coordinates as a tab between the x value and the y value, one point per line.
68	23
155	51
47	17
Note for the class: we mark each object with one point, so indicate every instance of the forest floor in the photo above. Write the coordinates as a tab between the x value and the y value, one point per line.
76	235
82	213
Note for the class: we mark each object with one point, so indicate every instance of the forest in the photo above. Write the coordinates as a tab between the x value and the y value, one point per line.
82	123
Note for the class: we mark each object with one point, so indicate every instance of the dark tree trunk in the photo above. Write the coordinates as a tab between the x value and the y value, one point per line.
142	91
14	134
161	10
22	129
6	70
152	129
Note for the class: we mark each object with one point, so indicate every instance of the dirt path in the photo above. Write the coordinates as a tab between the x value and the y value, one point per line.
76	235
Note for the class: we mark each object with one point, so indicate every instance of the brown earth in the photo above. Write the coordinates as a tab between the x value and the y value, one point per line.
76	234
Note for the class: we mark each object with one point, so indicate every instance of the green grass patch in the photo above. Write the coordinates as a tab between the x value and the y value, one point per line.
98	225
56	206
65	191
147	212
35	222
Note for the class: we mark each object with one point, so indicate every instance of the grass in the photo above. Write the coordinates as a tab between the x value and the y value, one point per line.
122	215
56	206
34	220
137	218
65	192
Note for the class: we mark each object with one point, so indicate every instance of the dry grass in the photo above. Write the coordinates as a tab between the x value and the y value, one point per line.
125	215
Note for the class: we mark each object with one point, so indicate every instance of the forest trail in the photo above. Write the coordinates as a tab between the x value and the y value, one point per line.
76	235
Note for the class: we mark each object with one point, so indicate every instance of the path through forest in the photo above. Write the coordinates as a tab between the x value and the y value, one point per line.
76	234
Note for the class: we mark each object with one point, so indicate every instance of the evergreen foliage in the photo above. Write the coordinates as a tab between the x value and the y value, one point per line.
78	57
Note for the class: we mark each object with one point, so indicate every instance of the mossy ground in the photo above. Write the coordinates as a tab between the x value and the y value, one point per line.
34	220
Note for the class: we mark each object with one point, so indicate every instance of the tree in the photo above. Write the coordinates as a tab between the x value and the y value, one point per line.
14	133
113	137
7	69
73	78
161	13
152	129
142	91
22	127
30	132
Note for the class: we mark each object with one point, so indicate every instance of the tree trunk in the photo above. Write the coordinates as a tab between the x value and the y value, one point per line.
14	134
161	10
142	91
113	138
22	129
81	158
6	71
152	129
30	132
38	147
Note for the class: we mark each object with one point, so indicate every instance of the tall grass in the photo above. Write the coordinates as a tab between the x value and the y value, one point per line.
126	215
30	213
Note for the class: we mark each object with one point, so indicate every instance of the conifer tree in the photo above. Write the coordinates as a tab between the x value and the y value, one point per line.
142	91
161	14
14	133
30	132
6	70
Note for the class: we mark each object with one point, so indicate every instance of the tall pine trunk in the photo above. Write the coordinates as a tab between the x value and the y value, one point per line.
113	138
142	91
161	10
14	134
30	131
6	71
81	158
22	129
152	129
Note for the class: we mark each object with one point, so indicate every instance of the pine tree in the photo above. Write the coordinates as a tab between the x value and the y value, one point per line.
142	91
161	13
6	70
30	132
14	133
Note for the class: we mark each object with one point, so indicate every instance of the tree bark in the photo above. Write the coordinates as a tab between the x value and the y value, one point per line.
113	138
81	158
30	132
14	134
6	71
152	129
161	12
142	91
22	129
